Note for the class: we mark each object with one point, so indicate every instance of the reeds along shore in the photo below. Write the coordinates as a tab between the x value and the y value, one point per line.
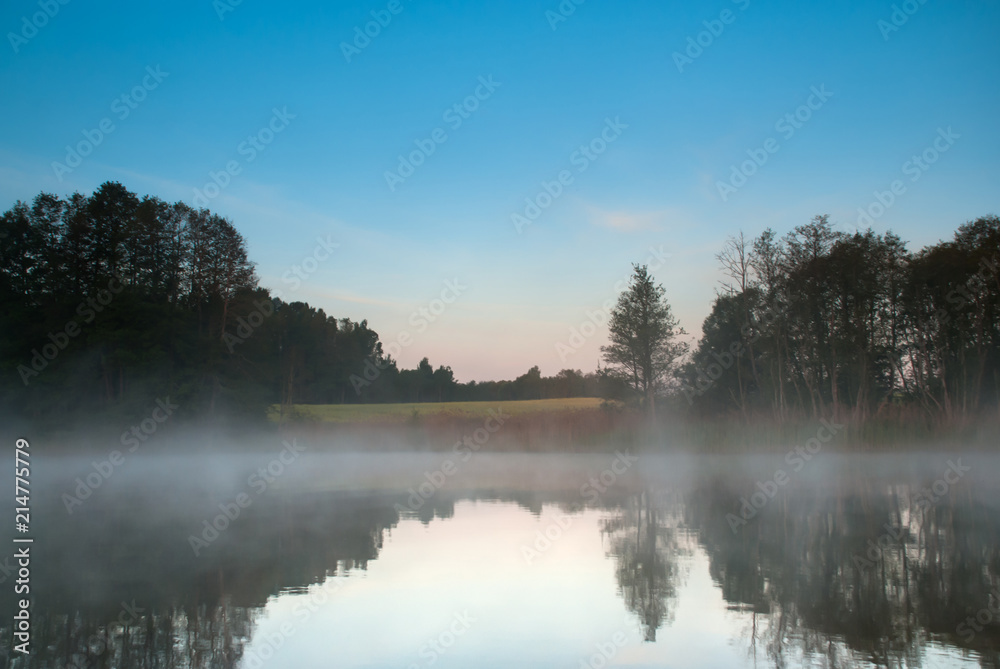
607	427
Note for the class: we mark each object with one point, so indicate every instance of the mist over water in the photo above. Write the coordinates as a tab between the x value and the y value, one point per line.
619	558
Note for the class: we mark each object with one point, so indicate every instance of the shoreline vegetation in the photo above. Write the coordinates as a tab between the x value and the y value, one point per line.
580	426
586	425
558	426
126	313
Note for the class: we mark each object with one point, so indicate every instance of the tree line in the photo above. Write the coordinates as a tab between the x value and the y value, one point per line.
825	323
110	301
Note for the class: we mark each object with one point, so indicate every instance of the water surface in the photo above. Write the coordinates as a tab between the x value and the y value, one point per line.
519	560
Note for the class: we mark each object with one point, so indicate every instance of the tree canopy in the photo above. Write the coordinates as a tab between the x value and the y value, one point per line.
643	333
822	322
110	301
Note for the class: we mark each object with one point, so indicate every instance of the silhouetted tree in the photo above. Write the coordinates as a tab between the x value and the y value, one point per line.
643	333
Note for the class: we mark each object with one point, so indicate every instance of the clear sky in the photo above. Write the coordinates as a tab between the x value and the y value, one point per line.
666	97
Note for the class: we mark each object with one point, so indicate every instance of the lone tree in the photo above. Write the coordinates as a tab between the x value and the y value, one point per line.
644	346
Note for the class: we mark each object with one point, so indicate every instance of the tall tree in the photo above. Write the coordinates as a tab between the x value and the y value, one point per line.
736	259
111	210
644	346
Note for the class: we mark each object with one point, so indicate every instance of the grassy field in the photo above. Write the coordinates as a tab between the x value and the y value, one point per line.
401	413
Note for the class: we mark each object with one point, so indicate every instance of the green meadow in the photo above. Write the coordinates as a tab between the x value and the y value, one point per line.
400	413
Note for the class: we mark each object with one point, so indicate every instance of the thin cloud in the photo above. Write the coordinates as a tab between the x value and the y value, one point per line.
627	221
624	220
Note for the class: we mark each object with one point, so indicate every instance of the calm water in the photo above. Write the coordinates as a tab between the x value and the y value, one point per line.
518	561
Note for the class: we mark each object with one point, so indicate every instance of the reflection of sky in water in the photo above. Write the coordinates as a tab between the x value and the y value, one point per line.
665	567
550	613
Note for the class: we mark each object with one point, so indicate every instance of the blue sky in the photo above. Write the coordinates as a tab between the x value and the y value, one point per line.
890	90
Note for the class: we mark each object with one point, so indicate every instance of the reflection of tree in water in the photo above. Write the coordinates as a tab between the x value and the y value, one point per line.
203	637
820	575
193	612
643	539
115	590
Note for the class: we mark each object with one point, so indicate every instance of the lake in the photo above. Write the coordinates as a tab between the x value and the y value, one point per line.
502	560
